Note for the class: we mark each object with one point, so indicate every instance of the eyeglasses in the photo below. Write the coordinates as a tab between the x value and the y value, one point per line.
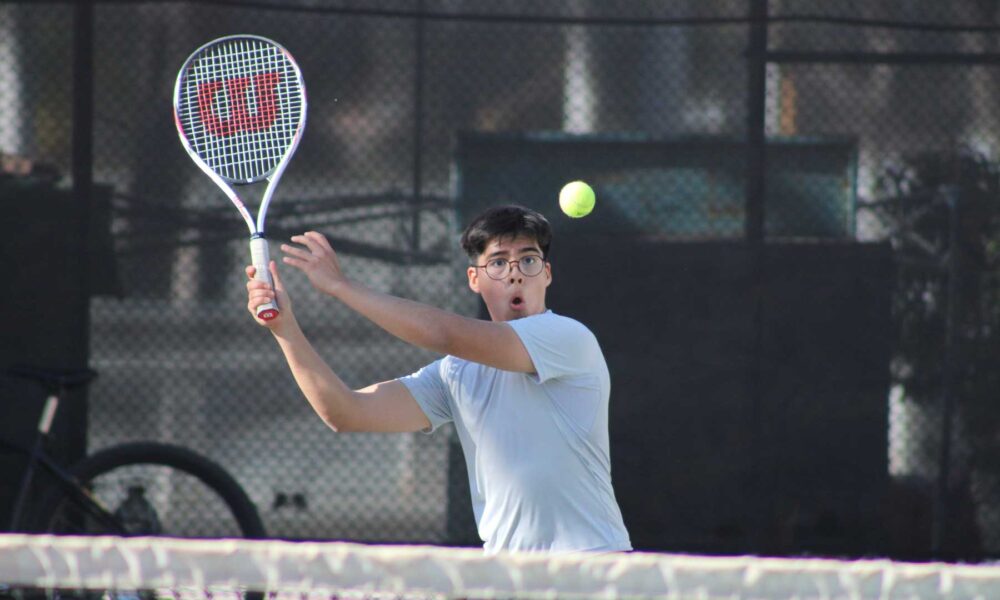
498	268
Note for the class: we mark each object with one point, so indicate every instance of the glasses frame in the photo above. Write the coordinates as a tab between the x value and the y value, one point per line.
510	267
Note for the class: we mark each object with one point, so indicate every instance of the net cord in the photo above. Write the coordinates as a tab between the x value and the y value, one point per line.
269	565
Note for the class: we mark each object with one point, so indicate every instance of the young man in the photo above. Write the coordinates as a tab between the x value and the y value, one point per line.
528	391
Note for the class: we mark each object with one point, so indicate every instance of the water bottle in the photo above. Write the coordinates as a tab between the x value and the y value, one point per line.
137	515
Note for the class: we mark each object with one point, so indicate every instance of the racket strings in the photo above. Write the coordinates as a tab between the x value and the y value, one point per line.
241	108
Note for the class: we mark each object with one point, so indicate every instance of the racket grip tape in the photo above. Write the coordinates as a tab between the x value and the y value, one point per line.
261	259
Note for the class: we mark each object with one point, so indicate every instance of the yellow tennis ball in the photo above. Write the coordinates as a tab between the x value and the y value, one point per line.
576	199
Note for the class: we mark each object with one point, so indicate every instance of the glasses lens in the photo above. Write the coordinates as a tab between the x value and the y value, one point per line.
531	265
497	269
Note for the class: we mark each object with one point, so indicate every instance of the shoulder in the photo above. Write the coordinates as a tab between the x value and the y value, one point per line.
552	324
555	344
559	346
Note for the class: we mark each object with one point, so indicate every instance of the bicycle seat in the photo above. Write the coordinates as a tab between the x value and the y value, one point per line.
53	377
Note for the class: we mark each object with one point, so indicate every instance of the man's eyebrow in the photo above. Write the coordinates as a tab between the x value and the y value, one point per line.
525	250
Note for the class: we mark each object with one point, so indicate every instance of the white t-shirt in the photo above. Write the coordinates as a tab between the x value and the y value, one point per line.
535	444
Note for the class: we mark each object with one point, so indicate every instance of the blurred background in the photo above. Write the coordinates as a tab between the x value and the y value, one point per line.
792	266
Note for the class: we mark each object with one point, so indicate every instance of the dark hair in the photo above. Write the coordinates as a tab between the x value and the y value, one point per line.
506	221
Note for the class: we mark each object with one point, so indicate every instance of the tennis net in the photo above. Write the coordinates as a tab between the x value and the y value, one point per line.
119	568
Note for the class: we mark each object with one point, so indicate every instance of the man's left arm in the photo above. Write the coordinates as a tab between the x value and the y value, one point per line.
431	328
437	330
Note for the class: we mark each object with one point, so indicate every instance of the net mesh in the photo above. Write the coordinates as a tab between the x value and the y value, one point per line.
174	568
240	103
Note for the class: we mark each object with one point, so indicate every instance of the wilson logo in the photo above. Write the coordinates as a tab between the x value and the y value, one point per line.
239	119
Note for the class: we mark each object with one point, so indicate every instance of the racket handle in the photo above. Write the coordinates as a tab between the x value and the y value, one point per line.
261	260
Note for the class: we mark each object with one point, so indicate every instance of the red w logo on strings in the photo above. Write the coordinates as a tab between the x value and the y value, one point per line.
239	120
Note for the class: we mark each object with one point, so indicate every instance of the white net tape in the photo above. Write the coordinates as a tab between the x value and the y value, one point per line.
414	571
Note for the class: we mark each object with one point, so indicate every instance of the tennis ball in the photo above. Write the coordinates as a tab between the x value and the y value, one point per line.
576	199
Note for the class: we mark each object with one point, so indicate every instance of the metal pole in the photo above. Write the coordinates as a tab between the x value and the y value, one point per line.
754	238
83	191
418	131
949	392
756	98
83	145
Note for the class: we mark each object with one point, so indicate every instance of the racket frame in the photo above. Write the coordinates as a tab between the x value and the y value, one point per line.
259	253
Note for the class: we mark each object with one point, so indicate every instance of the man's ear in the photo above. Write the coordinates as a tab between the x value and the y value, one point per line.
548	273
473	274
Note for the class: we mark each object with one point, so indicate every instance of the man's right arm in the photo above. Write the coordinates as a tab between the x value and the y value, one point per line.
388	406
384	407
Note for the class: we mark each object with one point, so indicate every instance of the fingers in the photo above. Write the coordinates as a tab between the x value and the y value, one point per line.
316	246
305	241
297	252
273	268
312	250
257	287
262	292
258	297
312	254
320	240
316	243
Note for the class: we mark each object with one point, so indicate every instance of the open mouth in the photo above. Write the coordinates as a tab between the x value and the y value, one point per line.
517	302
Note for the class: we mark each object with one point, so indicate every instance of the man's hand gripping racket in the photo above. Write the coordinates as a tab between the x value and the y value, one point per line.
240	110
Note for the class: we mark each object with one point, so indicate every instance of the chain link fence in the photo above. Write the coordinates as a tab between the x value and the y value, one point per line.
881	127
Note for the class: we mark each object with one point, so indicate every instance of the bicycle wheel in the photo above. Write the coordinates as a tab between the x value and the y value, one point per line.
148	488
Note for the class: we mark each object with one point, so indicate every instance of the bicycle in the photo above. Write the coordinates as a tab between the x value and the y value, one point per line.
137	488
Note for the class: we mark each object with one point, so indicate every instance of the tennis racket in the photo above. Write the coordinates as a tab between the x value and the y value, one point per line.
240	110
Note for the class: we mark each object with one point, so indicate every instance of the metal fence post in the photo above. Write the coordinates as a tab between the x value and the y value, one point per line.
939	527
754	238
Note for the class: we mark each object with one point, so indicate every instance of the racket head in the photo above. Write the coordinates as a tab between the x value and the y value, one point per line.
240	107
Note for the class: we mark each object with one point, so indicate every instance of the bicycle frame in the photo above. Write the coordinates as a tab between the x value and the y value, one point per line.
36	456
67	497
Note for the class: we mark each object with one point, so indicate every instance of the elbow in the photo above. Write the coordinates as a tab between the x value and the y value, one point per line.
330	420
338	424
336	418
333	424
342	426
344	420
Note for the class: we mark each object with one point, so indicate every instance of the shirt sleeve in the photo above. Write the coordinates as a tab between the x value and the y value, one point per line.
431	393
558	346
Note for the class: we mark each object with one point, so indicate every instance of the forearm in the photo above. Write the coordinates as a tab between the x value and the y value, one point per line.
419	324
328	395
